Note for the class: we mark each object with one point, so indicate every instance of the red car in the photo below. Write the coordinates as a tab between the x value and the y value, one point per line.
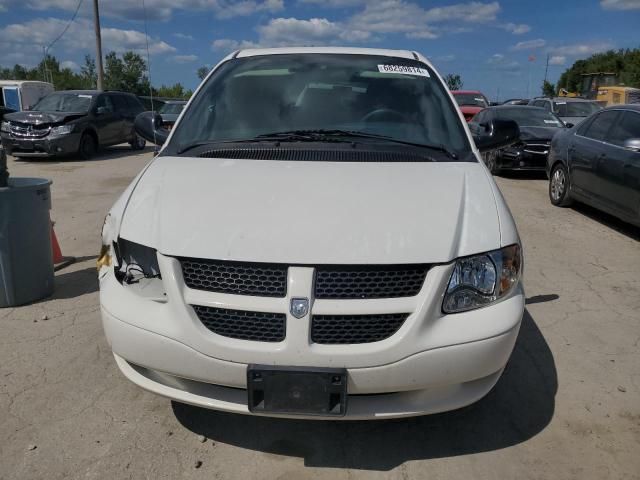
470	102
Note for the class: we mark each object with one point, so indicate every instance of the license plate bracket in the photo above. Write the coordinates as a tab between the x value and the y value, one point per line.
297	390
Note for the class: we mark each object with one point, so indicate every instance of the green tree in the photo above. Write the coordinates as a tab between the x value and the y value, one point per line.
548	89
625	63
127	74
89	72
173	91
202	72
453	81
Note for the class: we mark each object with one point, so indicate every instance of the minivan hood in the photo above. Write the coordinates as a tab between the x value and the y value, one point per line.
299	212
39	118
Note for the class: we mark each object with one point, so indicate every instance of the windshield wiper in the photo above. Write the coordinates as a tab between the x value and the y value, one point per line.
324	135
320	135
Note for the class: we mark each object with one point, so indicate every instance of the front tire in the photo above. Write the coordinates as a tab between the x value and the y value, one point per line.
138	143
490	160
87	147
559	182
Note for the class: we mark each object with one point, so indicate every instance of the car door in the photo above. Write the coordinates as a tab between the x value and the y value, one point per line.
585	150
107	122
619	169
135	107
122	109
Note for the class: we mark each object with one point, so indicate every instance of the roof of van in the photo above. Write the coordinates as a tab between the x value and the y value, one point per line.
4	83
250	52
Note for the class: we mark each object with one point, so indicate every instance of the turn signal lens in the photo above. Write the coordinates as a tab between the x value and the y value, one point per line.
482	279
104	259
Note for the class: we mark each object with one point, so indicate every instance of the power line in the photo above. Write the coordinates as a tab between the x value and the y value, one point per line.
75	14
45	50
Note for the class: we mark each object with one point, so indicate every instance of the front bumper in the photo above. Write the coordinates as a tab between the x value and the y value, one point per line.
434	363
522	160
41	147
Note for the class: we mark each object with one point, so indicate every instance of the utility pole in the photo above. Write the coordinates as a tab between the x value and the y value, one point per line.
96	23
546	69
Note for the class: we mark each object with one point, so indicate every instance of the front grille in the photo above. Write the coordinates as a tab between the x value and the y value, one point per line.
29	131
350	329
243	325
239	278
361	282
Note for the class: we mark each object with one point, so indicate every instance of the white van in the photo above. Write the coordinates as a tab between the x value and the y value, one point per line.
21	95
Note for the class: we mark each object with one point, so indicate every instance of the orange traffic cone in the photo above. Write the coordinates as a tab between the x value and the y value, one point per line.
58	260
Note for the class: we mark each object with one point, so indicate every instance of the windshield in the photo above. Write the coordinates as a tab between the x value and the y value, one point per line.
64	102
575	109
173	108
471	99
395	97
529	117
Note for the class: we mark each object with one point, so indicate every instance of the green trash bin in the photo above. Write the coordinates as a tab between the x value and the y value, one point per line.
26	265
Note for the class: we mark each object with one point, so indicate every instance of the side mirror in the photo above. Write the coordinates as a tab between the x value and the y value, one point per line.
569	125
149	126
632	144
495	134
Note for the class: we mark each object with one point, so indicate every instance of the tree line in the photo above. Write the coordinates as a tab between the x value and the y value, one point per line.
127	72
625	63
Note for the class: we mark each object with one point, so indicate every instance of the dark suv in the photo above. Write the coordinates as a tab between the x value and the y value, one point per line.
73	122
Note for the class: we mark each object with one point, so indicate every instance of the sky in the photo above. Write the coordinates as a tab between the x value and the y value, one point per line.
497	47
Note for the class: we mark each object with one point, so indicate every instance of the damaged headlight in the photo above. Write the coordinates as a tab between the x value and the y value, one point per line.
62	130
135	262
482	279
4	127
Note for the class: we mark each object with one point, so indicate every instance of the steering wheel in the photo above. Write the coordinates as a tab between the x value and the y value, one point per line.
383	112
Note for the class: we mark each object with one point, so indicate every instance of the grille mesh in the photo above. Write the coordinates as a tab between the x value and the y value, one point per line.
243	325
349	329
235	277
369	282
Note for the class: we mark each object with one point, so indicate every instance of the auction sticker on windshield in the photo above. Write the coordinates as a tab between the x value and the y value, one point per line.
403	70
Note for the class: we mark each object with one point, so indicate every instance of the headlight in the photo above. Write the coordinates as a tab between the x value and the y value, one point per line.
62	130
4	127
482	279
135	262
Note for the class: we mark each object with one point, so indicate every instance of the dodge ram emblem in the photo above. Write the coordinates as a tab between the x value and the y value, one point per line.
299	307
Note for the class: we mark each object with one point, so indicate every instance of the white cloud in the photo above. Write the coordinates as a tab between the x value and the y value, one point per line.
161	9
557	60
183	36
502	63
335	3
71	65
27	39
581	49
516	28
291	31
229	45
620	4
529	44
183	58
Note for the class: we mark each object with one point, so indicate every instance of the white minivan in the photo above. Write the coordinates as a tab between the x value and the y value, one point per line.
317	238
20	95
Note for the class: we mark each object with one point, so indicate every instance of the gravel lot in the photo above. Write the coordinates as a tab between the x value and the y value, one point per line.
568	405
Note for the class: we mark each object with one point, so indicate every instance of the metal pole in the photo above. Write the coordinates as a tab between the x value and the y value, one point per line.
546	69
96	23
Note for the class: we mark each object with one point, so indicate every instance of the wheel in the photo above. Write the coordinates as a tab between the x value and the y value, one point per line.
137	143
559	186
489	159
88	146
